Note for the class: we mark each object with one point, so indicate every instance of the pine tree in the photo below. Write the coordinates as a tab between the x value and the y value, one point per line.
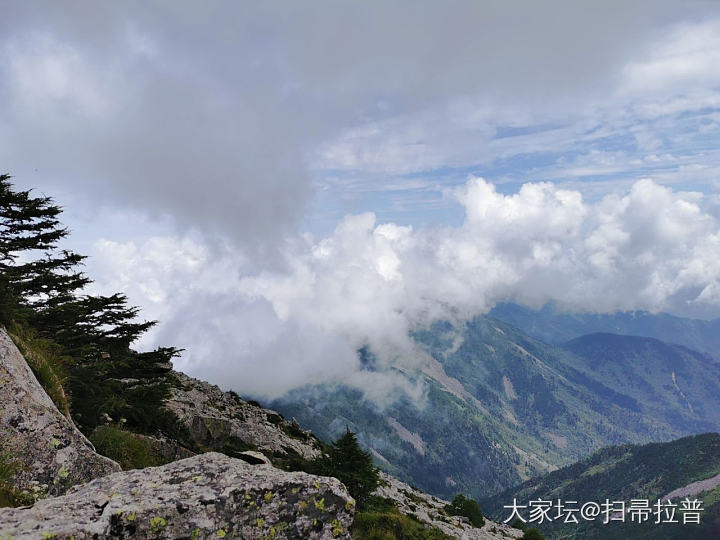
41	288
41	284
35	276
532	534
350	464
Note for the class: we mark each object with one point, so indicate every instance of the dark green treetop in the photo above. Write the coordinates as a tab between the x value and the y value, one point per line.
349	463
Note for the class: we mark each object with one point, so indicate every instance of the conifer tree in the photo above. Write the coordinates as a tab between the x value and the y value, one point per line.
29	233
350	464
41	286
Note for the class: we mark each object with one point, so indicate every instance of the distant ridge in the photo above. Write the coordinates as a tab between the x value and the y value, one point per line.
552	325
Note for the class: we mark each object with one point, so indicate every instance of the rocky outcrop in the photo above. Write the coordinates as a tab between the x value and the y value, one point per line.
430	510
50	453
205	496
219	420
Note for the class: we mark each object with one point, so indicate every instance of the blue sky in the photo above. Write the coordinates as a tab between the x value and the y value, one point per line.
674	143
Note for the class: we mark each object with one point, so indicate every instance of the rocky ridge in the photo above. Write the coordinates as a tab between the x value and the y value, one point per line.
429	509
220	420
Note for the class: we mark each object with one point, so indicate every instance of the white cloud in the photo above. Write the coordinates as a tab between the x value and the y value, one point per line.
368	283
687	58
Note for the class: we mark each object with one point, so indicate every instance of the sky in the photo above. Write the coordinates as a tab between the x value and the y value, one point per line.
281	183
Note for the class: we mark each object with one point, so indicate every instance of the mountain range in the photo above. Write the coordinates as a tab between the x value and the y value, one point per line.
553	325
501	406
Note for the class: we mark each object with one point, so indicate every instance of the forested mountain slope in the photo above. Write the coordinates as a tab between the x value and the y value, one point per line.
622	473
501	407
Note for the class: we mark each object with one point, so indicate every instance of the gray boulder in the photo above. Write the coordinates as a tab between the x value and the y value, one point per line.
50	452
205	496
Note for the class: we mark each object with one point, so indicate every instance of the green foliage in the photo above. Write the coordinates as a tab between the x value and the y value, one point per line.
98	389
47	362
291	460
350	464
9	494
234	445
128	449
532	534
381	520
8	468
76	344
35	276
89	326
469	508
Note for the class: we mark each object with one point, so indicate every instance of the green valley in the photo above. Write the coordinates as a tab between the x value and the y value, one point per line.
501	407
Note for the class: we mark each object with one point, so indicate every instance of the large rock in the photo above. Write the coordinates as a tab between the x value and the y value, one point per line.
50	451
205	496
215	419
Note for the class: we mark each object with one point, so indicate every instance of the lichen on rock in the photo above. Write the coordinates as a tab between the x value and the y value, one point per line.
205	496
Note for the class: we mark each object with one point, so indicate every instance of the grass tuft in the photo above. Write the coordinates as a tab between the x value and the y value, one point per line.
131	451
381	520
8	468
46	361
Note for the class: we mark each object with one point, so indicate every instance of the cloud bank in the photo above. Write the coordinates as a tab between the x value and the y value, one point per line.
370	283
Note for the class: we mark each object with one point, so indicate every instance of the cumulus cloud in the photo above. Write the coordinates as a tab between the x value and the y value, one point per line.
371	283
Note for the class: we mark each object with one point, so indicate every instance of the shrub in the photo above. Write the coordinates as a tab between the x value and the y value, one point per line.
469	508
290	460
131	451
